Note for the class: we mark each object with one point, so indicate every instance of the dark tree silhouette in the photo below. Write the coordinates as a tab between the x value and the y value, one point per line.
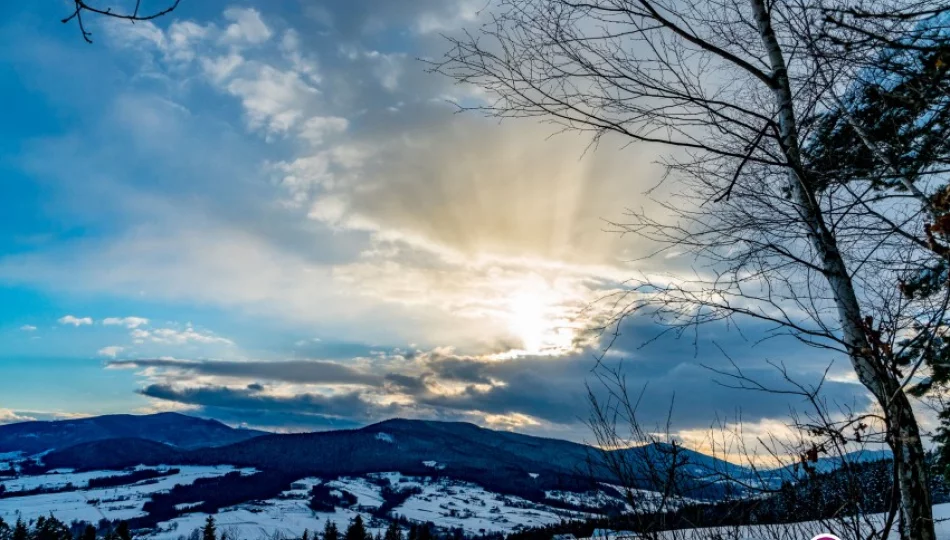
82	7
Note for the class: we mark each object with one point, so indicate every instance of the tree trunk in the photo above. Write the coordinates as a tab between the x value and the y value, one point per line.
903	433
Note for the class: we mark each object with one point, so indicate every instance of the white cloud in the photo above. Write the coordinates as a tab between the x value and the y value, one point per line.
28	328
274	100
111	351
188	335
128	322
75	321
316	129
246	27
8	416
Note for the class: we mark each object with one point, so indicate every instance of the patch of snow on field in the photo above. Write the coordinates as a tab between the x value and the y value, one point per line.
54	479
470	507
367	494
385	437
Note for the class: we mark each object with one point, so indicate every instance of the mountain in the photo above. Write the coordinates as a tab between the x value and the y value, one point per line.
177	430
502	461
454	473
828	464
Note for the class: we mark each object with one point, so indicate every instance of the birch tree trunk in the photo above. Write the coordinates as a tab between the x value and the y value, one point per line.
903	434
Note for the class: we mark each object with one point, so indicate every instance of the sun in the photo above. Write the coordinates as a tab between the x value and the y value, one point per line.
535	319
528	321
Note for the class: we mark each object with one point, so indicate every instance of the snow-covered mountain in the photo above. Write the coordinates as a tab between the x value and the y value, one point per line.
165	473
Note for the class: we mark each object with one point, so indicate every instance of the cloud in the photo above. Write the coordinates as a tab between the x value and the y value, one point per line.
294	371
28	328
128	322
345	406
111	351
8	416
246	26
232	171
75	321
180	337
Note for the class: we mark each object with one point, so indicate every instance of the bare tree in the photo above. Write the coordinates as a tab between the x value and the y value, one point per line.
770	485
134	14
828	243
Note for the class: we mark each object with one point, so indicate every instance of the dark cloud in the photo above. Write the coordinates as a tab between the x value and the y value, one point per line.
670	371
406	383
349	406
296	371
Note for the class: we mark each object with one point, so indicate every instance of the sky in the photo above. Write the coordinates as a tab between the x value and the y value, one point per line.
271	214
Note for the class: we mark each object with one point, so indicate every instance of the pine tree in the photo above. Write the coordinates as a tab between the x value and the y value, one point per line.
425	531
306	535
356	530
122	532
393	532
88	533
50	528
330	532
209	532
5	532
413	532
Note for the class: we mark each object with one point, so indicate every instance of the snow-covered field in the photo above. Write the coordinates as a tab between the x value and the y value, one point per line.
122	502
445	502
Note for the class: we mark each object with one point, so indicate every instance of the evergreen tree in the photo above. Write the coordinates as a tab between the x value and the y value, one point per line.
393	532
209	532
88	533
50	528
413	532
122	532
356	530
330	532
425	531
306	535
5	532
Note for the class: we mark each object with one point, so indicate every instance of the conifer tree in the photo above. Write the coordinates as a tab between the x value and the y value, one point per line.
425	531
306	535
330	531
393	532
122	531
88	533
356	530
209	532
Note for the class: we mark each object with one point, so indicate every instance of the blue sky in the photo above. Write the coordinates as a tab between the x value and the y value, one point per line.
269	213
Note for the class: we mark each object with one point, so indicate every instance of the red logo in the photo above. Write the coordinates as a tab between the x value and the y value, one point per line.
826	536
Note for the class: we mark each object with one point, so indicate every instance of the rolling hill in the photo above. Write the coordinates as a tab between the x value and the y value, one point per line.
177	430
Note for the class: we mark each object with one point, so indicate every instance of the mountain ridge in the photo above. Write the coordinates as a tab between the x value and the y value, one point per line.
176	429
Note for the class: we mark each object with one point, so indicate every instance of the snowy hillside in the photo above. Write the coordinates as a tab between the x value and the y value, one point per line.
445	502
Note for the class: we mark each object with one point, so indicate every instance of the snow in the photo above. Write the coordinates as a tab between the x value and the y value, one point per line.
119	502
806	530
367	494
385	437
54	480
446	502
450	503
434	465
